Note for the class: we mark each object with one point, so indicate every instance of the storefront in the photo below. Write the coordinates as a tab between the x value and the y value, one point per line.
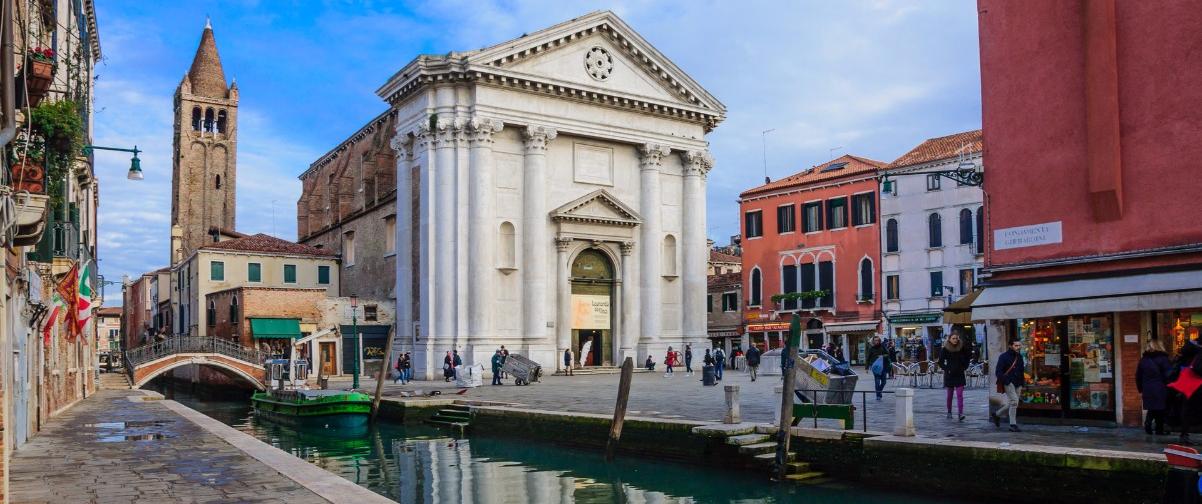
1071	366
767	334
916	335
727	340
853	338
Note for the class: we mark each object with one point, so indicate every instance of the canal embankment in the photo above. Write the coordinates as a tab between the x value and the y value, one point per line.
973	470
125	446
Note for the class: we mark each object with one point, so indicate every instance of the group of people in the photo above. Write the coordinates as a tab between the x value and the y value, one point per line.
498	363
713	357
1169	387
404	369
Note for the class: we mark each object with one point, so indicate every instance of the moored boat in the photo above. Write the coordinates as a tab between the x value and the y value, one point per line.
333	408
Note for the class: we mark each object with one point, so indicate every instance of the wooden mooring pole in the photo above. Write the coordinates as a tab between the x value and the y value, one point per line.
615	429
384	367
788	356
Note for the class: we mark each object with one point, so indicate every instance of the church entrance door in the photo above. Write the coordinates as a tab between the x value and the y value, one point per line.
592	281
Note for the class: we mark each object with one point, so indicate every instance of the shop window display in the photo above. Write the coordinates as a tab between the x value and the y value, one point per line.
1070	366
1174	327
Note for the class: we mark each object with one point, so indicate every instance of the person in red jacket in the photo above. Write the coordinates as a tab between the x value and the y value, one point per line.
669	361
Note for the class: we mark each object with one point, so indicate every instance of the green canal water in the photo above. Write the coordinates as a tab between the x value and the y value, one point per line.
419	464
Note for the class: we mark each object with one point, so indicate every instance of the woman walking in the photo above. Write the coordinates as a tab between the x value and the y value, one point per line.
448	367
954	361
669	361
1151	379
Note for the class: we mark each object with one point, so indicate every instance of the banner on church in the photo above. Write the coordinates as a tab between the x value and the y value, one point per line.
590	311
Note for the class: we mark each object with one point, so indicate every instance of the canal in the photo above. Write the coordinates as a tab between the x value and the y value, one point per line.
420	464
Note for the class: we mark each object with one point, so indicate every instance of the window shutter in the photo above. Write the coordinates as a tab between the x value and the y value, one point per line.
826	281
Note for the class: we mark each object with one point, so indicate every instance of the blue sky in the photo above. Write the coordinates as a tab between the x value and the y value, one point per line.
872	78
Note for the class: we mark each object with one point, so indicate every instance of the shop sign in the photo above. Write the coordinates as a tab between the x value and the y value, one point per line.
1027	236
772	326
590	311
914	318
754	315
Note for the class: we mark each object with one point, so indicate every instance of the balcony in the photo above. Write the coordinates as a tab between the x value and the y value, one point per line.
62	240
31	218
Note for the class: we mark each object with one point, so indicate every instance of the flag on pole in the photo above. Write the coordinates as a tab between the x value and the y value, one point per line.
56	307
68	290
83	301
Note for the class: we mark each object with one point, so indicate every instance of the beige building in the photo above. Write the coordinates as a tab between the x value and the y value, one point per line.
108	329
252	261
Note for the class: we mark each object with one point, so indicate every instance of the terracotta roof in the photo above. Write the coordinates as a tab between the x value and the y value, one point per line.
830	170
716	256
266	244
724	279
109	311
206	74
943	147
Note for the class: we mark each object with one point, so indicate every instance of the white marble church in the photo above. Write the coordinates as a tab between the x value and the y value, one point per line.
551	194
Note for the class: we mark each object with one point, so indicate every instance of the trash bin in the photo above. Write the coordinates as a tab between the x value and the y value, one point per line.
708	378
823	379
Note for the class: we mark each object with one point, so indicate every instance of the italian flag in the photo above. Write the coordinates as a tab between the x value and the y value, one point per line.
83	300
56	308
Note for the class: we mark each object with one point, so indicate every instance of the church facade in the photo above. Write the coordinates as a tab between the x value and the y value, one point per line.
554	190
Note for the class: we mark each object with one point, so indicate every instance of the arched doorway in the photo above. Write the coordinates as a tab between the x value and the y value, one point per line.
592	279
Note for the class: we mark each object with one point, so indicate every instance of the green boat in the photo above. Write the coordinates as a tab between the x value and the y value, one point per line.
330	408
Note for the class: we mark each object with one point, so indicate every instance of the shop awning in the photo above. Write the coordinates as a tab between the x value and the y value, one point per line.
960	311
1154	291
275	328
852	327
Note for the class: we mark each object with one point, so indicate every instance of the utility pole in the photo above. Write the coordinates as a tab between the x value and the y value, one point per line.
764	140
355	339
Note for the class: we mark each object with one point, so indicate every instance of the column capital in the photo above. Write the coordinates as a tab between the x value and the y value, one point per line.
403	144
537	137
652	155
697	162
480	130
423	136
563	244
448	131
627	248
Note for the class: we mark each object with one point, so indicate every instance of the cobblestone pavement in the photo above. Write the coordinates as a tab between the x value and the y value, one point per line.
107	449
683	397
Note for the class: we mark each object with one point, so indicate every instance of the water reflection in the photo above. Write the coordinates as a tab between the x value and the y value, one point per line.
418	464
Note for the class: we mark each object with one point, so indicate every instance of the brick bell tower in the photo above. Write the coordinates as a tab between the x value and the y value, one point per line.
205	145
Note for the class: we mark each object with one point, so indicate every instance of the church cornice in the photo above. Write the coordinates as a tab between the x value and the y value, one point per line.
333	154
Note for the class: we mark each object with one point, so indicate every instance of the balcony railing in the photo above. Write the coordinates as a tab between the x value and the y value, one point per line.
62	240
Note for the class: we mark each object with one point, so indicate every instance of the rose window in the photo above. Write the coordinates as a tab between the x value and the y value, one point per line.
598	63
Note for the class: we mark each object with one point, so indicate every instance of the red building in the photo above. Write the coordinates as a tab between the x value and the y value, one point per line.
814	232
1091	124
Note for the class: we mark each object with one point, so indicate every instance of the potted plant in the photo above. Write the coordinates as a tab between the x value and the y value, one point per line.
39	74
26	159
60	128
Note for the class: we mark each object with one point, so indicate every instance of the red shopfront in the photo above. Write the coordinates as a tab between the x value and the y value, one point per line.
768	334
1070	364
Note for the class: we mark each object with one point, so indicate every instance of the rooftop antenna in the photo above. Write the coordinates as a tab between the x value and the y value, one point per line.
764	140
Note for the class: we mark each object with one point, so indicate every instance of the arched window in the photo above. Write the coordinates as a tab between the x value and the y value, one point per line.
234	309
891	235
507	250
669	261
221	120
980	230
935	229
195	118
756	283
209	120
965	226
866	279
218	184
211	315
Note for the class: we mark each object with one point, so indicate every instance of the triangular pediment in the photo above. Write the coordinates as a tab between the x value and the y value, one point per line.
599	51
598	207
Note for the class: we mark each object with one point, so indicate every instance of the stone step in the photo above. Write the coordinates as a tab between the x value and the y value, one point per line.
807	477
798	467
747	439
758	448
453	414
770	458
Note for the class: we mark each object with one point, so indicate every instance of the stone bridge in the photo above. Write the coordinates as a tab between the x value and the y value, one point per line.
146	362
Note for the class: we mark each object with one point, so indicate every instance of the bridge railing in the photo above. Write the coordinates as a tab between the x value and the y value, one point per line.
191	344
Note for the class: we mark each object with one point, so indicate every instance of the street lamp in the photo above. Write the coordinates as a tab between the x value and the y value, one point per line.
135	164
355	340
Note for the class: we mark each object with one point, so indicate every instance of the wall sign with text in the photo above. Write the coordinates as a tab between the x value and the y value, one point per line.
1027	236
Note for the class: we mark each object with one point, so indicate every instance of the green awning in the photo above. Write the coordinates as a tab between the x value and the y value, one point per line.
275	328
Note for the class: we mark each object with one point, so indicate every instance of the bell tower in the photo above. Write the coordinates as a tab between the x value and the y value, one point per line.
205	145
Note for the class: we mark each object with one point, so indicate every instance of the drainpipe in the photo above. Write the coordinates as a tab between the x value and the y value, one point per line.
8	129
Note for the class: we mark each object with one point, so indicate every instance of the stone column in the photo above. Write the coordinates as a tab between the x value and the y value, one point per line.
481	245
534	232
403	145
651	208
444	231
695	252
630	325
563	299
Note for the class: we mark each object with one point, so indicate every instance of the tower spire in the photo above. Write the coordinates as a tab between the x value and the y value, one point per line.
206	74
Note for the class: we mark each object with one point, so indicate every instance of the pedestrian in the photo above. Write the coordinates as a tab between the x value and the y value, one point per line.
753	360
504	355
878	361
407	367
1151	379
719	363
708	360
839	353
455	363
497	359
1185	380
669	361
649	364
448	367
567	361
688	359
891	351
1009	373
400	370
954	360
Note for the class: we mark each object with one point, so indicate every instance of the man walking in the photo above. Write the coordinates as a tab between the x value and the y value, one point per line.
567	361
753	360
719	363
497	359
1009	374
688	359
